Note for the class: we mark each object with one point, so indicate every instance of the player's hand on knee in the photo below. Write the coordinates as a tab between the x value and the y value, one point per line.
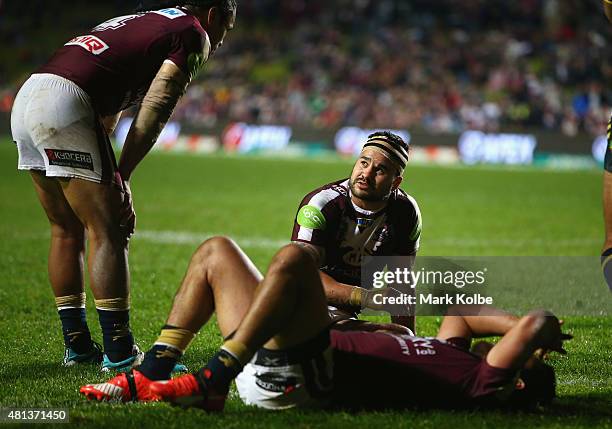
127	218
128	215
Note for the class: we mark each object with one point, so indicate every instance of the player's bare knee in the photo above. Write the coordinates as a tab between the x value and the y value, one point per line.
213	252
68	231
107	234
290	259
215	247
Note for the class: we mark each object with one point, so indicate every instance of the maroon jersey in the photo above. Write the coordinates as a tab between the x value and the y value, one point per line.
116	61
377	369
328	218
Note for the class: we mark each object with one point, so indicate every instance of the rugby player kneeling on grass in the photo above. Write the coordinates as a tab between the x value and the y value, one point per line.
279	347
366	214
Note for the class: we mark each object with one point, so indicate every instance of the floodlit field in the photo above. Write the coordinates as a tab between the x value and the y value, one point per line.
180	200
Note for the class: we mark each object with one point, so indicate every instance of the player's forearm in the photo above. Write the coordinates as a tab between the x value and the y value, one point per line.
484	320
155	110
338	294
142	136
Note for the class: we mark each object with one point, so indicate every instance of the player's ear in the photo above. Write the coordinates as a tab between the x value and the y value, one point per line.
397	181
520	384
213	14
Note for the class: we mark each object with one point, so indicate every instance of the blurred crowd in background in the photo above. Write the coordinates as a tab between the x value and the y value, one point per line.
442	66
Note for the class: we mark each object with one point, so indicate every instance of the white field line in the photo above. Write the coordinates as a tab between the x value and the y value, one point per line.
195	238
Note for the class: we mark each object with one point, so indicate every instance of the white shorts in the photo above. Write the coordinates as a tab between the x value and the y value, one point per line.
57	131
281	379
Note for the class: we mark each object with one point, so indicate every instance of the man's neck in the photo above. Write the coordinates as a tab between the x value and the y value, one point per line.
371	206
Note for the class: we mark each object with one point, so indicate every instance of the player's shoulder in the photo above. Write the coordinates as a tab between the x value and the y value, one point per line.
405	202
178	20
327	195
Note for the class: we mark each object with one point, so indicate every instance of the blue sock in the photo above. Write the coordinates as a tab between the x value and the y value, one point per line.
116	334
75	330
159	362
220	370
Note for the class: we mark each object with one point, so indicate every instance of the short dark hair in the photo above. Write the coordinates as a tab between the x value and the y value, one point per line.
227	6
540	386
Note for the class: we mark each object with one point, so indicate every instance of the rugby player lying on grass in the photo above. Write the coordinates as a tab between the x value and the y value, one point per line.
283	353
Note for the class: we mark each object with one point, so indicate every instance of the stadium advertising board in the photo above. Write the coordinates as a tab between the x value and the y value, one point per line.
350	140
172	139
477	147
244	138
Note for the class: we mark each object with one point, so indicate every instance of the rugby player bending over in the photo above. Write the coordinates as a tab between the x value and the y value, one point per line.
61	120
281	351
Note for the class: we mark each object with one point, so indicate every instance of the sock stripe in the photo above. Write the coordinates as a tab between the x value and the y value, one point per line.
113	304
238	350
70	301
176	338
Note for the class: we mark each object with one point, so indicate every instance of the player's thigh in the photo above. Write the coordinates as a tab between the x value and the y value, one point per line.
98	206
234	281
58	210
310	315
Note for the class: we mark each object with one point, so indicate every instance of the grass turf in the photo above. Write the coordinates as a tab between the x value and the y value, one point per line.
466	211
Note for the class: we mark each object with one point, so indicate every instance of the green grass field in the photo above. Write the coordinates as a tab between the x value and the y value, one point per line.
180	200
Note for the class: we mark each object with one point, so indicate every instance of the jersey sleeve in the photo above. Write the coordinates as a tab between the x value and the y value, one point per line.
310	224
187	49
411	242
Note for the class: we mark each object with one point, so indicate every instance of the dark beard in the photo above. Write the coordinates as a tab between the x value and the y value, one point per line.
368	197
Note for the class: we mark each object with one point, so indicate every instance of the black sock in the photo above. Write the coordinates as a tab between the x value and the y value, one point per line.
116	333
159	362
75	330
220	370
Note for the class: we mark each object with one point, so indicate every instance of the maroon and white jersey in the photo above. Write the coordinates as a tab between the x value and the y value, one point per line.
116	61
327	218
402	370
